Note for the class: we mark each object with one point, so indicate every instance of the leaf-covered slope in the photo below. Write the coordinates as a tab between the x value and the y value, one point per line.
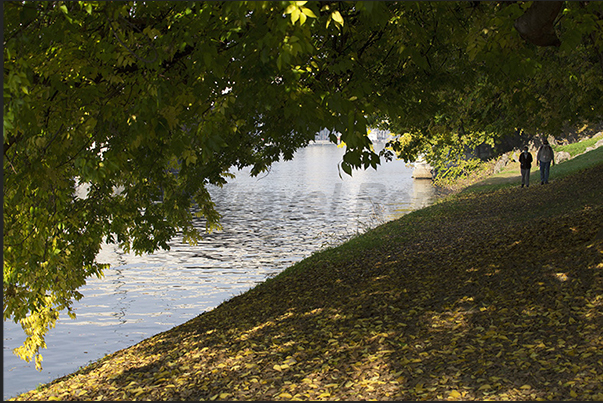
495	296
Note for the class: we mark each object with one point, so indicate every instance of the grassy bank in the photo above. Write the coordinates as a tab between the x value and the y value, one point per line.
511	176
579	147
495	293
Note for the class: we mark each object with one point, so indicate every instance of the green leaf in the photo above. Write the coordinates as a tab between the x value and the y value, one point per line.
347	168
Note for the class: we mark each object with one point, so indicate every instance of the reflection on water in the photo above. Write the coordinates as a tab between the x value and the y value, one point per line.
269	223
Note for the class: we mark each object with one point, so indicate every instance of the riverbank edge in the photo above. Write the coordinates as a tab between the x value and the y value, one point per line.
503	170
362	244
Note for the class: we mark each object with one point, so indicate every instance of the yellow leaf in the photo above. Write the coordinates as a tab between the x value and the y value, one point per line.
308	12
295	15
455	394
573	394
484	387
337	18
285	395
525	387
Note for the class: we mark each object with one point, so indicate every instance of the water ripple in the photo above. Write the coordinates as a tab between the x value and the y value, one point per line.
269	224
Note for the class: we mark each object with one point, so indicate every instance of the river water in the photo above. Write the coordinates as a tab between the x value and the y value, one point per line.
269	223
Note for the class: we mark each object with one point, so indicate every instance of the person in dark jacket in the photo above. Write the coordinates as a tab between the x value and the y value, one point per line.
544	158
525	164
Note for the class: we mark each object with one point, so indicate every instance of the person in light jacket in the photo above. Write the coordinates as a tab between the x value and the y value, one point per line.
544	158
525	164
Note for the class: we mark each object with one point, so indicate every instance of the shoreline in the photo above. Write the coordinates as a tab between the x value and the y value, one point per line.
122	325
332	302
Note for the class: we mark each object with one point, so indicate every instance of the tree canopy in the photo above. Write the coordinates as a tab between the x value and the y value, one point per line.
149	103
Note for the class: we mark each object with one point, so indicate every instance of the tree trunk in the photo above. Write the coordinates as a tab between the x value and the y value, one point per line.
536	24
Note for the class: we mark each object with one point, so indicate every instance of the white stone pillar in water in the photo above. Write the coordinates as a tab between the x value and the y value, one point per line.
422	169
